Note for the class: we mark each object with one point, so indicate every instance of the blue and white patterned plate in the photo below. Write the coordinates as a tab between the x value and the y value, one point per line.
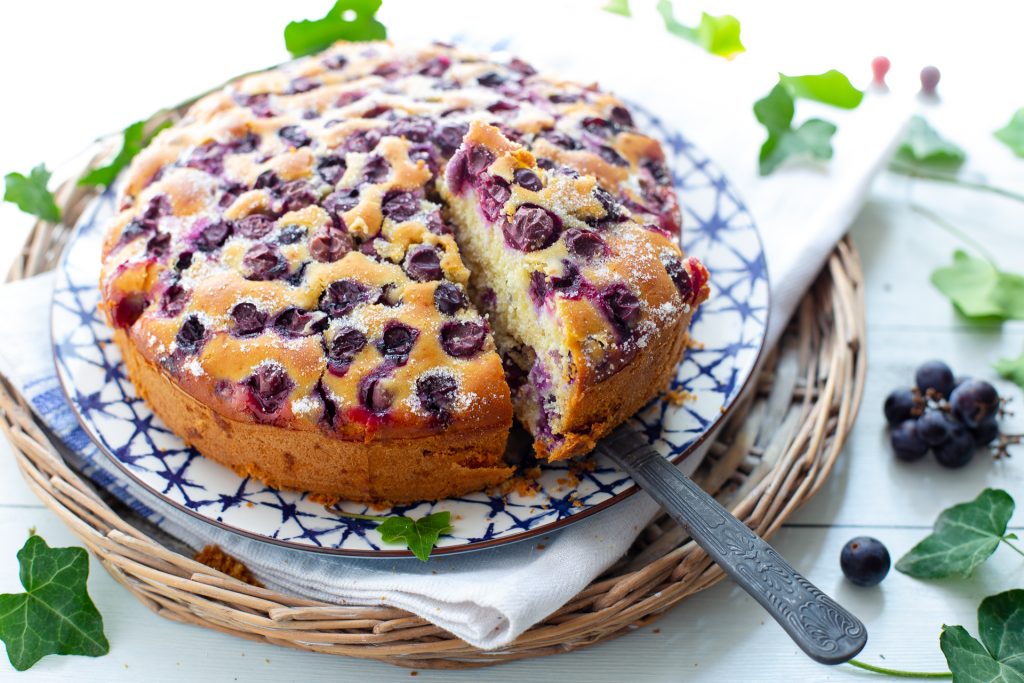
729	329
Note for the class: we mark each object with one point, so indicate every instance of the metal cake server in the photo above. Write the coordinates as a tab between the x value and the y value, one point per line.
822	628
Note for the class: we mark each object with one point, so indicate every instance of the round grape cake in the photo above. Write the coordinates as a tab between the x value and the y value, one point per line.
345	275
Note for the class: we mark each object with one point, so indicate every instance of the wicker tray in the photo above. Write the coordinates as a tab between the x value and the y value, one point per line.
775	452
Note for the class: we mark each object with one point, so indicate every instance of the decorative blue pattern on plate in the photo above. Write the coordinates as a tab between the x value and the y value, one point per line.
729	329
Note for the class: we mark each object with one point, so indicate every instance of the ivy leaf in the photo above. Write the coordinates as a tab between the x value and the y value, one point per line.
832	88
620	7
718	35
964	536
979	290
55	614
419	535
1012	369
31	195
353	20
135	140
923	148
1012	134
812	139
1000	654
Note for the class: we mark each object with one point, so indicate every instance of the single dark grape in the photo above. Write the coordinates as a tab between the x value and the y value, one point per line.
865	561
934	427
906	443
974	401
986	432
935	375
958	450
899	406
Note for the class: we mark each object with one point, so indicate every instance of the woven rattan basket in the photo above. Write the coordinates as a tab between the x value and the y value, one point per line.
775	452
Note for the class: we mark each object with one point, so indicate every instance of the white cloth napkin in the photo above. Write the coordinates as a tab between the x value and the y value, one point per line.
489	598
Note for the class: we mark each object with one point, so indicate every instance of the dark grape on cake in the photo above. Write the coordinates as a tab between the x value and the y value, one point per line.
345	274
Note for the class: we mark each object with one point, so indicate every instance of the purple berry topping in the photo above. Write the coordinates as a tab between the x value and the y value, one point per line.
362	140
343	349
492	192
298	322
373	395
214	235
448	137
527	179
621	116
531	228
436	393
584	243
128	309
463	339
329	244
248	320
295	136
400	205
269	387
621	306
341	297
159	245
173	301
449	298
331	168
264	262
340	201
255	226
396	341
423	263
376	169
297	194
191	335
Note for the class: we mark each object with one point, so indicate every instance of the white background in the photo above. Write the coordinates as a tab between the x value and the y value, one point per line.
73	70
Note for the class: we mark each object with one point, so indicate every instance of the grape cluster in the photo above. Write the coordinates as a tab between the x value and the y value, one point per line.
950	417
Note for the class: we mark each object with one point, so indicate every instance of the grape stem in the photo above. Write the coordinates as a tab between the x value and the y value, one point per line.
955	231
915	172
897	673
1017	550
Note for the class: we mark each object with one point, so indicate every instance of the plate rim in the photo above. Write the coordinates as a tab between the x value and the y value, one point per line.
550	527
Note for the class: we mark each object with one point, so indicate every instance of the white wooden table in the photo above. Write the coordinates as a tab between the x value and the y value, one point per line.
720	634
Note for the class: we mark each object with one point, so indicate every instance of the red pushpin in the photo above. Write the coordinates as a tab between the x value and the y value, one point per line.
879	69
929	80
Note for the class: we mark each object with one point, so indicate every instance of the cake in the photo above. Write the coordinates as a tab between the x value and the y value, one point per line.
346	275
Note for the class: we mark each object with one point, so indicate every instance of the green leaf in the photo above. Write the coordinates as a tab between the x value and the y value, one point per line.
831	87
353	20
55	614
31	195
922	148
964	536
419	535
1000	654
1012	134
1012	369
718	35
775	110
979	290
620	7
135	140
813	139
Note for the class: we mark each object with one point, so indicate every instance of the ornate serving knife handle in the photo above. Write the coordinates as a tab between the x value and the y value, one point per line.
824	630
